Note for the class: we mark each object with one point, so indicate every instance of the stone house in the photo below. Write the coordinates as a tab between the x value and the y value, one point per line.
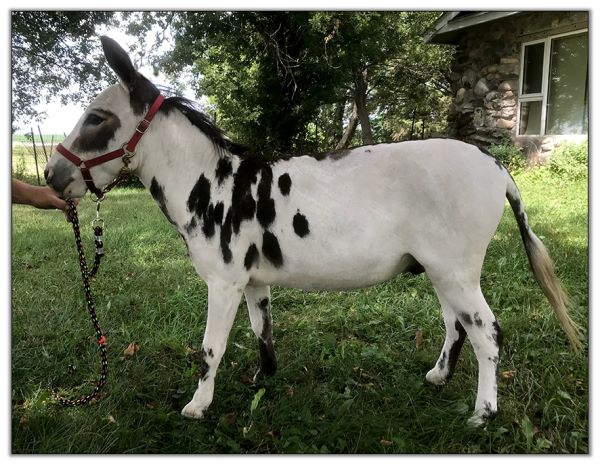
517	74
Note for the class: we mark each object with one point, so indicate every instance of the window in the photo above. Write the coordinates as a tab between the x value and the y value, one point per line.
554	86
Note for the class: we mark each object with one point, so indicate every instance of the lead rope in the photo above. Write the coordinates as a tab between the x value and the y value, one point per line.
86	275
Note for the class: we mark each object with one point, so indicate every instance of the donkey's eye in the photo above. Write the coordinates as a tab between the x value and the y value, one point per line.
93	120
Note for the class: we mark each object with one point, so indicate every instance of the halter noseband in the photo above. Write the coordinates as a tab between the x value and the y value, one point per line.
126	152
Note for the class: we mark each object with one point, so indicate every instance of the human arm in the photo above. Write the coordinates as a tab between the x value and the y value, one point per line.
36	196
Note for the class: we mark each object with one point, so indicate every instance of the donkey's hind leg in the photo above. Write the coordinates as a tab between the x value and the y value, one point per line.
258	300
470	309
455	337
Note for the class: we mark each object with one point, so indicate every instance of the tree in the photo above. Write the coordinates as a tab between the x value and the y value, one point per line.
388	68
283	81
261	70
55	53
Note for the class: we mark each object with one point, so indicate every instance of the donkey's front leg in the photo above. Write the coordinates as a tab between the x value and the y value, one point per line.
223	301
259	309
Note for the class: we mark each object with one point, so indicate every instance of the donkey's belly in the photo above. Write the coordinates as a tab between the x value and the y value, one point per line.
340	274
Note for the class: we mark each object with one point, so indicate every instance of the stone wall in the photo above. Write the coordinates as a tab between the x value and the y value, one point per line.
485	76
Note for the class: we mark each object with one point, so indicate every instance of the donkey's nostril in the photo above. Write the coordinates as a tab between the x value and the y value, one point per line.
47	174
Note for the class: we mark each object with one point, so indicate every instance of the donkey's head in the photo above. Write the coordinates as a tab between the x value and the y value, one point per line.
106	125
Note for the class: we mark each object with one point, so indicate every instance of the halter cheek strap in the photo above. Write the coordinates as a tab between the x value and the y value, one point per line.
126	152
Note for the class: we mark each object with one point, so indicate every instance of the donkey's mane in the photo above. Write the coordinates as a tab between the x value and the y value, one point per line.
203	122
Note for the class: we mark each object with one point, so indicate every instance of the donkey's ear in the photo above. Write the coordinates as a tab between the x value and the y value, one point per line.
119	61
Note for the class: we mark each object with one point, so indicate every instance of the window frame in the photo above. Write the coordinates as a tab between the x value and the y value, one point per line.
543	95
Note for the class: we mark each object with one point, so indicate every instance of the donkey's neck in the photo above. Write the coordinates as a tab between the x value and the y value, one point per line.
172	158
175	150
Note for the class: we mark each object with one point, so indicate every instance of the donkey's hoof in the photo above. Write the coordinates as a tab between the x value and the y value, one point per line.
192	410
476	421
481	417
434	376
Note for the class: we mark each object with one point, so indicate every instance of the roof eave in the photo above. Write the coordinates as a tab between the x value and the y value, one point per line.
446	30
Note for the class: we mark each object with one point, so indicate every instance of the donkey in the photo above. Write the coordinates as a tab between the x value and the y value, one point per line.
344	220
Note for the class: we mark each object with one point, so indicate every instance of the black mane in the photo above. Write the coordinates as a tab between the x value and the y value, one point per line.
204	123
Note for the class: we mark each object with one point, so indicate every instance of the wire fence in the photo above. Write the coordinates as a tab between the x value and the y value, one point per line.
30	154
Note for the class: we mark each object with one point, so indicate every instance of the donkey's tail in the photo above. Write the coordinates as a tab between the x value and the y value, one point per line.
543	268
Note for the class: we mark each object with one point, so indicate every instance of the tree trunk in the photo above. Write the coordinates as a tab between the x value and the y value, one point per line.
338	122
350	129
360	98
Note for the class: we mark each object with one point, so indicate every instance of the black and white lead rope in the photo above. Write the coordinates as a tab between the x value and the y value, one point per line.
86	275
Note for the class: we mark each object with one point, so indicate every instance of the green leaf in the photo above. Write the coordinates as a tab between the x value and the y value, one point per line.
527	428
564	395
256	400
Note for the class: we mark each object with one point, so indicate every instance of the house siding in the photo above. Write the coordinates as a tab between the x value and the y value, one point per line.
485	77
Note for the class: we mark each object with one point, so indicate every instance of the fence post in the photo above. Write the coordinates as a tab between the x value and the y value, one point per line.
43	145
37	170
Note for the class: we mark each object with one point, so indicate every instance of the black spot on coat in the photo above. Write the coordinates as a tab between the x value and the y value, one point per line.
285	183
488	414
208	224
477	319
199	197
218	213
251	256
455	348
271	249
442	362
264	304
300	224
97	137
466	318
191	225
204	367
156	190
497	335
243	205
223	170
265	206
225	237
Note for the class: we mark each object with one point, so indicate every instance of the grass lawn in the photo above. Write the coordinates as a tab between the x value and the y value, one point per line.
350	379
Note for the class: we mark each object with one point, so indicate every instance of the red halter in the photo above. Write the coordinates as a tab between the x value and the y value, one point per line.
126	152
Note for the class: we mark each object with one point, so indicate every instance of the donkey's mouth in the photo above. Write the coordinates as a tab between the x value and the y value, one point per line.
73	190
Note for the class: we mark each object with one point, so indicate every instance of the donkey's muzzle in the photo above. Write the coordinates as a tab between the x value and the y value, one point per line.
59	176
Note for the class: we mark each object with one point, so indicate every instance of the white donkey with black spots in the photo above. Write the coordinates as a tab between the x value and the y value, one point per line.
342	220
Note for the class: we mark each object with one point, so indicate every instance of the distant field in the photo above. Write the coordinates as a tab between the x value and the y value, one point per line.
23	161
47	138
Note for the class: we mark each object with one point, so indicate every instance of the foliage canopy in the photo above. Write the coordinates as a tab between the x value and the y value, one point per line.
276	81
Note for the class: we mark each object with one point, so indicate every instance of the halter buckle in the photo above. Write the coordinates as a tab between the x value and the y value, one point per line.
95	198
128	155
142	126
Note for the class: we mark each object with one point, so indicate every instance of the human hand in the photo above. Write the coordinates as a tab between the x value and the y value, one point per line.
39	197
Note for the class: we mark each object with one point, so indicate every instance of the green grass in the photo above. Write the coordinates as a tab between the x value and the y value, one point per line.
350	378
